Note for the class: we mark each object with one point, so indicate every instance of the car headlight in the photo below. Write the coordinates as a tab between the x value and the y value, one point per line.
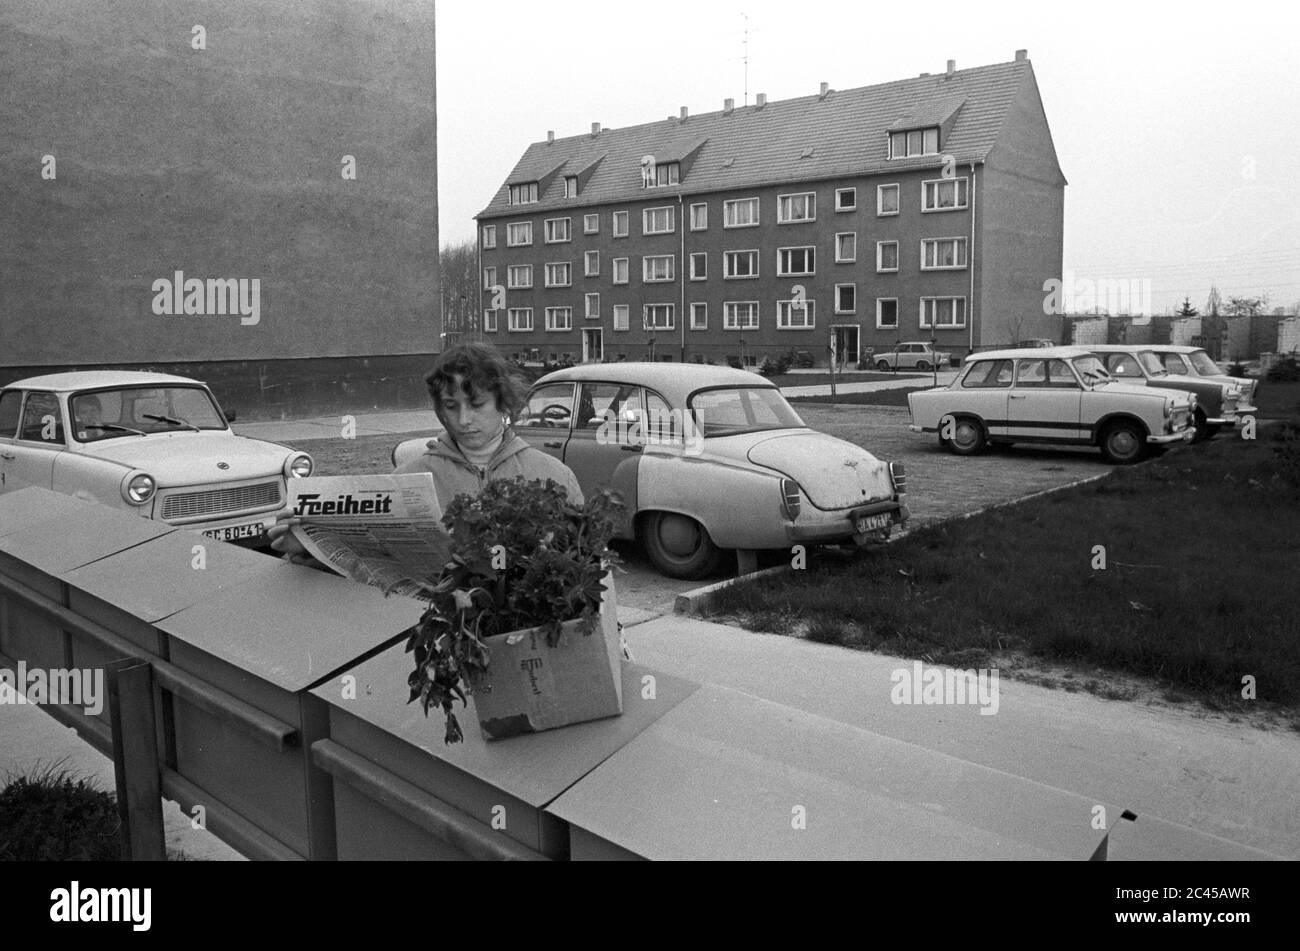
1169	408
298	466
139	488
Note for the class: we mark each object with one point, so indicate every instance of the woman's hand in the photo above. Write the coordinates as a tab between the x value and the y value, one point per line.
283	540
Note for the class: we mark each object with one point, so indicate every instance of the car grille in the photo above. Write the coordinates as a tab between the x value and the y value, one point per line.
220	501
1179	420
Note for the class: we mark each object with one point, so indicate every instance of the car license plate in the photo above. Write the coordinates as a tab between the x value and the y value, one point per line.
871	523
236	532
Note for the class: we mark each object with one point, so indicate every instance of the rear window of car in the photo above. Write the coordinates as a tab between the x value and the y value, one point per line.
721	412
988	374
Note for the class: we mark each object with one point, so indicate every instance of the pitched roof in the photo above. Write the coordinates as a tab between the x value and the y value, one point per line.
843	133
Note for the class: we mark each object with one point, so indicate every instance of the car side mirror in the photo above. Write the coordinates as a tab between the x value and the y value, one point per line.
230	415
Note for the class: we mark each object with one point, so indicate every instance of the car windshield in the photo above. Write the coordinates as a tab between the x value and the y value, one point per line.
136	410
1090	370
728	410
1151	363
1203	365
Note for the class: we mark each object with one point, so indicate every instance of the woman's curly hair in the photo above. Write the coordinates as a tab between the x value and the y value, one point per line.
481	369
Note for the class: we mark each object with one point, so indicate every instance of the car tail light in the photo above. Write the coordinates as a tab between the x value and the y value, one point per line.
898	476
790	503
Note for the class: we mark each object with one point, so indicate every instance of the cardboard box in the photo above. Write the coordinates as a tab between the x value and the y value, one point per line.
530	686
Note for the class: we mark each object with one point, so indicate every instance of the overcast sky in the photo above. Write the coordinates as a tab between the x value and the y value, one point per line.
1177	125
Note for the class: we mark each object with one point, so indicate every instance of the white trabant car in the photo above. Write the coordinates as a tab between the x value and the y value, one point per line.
1050	395
706	459
911	355
150	443
1196	362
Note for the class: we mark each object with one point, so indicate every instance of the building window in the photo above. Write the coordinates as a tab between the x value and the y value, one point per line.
620	224
700	217
557	230
795	314
699	316
740	213
796	262
914	142
699	266
940	254
886	313
520	318
886	256
846	298
657	317
591	224
592	308
559	274
943	313
740	315
657	220
489	321
591	264
489	237
846	199
886	200
669	173
621	316
524	194
519	234
792	209
519	276
571	186
559	318
944	194
489	278
620	270
846	247
739	264
657	268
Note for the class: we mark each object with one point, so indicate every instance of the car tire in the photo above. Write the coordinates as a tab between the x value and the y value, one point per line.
679	546
969	438
882	365
1123	443
922	365
1203	429
1212	430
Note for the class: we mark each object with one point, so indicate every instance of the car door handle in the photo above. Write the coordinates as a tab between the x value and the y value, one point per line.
1013	396
553	445
631	448
6	455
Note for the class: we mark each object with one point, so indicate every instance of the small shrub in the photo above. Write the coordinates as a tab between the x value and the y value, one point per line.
47	817
1287	452
1286	370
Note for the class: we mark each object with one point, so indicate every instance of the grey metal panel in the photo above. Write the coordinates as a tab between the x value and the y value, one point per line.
33	505
157	578
70	538
725	775
1151	839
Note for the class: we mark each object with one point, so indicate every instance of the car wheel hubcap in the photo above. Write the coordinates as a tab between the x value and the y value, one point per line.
679	536
1123	443
965	436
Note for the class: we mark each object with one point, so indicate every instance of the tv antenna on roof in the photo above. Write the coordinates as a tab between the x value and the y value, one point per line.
745	57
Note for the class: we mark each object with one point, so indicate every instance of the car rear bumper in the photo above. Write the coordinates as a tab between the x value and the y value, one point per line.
840	526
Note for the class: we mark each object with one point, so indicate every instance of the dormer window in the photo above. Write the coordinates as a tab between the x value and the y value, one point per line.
914	142
571	186
659	176
525	194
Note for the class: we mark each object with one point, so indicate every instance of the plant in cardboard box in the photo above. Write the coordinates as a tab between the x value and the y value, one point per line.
525	560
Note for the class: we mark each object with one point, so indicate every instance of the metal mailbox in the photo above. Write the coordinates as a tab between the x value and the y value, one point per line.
400	792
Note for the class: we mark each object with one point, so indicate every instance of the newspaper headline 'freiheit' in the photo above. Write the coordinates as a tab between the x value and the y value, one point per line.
381	530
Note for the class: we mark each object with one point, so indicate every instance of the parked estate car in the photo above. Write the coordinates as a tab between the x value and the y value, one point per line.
1217	404
149	443
1050	395
914	354
706	459
1194	361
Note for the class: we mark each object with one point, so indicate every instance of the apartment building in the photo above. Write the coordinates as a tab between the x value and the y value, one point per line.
927	208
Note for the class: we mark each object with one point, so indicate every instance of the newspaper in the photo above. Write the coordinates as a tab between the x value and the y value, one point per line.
381	530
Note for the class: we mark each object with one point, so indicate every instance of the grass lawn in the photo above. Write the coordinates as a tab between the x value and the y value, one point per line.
853	376
1202	561
1278	400
894	397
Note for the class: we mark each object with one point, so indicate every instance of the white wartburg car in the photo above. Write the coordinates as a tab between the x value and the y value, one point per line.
1050	395
149	443
706	459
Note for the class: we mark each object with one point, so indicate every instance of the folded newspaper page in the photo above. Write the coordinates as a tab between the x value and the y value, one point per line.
381	530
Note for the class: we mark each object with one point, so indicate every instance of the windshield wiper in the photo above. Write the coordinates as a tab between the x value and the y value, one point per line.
170	420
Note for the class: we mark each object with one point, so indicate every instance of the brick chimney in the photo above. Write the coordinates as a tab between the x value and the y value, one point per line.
684	113
952	66
826	87
728	106
1022	55
550	137
760	100
595	128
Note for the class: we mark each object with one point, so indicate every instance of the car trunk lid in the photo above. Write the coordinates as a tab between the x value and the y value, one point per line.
833	474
